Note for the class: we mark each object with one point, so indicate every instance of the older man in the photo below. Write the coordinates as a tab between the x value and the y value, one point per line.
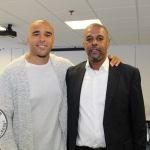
105	104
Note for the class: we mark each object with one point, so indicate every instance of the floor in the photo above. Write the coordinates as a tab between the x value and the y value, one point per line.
147	147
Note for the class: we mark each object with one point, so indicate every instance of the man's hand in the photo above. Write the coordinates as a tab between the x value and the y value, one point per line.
115	61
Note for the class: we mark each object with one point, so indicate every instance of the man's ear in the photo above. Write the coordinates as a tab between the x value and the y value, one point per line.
108	43
27	40
84	45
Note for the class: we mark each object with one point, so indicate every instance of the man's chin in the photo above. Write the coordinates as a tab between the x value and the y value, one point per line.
42	56
95	59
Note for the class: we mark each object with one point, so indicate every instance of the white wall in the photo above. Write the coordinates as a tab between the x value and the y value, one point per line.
5	58
74	56
125	53
138	56
15	53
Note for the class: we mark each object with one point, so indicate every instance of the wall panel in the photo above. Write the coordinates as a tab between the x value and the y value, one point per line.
74	56
5	58
125	53
143	63
16	53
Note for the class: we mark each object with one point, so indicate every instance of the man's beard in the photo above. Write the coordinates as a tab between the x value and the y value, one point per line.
97	59
44	55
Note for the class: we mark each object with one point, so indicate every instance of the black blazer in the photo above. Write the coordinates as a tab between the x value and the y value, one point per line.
124	114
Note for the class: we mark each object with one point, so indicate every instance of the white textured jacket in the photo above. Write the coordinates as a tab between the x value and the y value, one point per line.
15	103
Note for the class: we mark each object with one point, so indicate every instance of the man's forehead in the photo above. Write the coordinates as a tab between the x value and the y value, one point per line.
37	29
41	25
97	31
94	32
44	27
95	28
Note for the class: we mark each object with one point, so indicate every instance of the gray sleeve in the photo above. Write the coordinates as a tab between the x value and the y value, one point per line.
7	140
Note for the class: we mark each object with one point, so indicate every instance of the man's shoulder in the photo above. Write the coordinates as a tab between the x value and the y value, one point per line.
15	64
13	70
82	64
126	68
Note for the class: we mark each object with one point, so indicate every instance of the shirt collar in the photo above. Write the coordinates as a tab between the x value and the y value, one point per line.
105	65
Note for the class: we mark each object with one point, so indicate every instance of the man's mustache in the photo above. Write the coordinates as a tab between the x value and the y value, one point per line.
95	48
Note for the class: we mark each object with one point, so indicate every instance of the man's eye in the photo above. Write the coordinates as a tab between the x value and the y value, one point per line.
47	35
89	39
99	39
35	34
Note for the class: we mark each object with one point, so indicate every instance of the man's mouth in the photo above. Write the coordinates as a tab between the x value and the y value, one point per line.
94	50
41	46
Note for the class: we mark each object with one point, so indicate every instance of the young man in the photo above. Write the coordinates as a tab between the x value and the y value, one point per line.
33	99
105	104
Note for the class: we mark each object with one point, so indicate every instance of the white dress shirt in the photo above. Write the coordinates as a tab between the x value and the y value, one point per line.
92	103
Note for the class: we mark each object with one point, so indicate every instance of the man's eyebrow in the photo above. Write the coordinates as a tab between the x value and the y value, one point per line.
48	32
97	35
88	36
35	32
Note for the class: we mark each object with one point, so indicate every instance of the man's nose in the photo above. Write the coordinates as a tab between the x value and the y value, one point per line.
94	42
42	38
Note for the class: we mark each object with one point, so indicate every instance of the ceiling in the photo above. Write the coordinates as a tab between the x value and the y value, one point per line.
127	21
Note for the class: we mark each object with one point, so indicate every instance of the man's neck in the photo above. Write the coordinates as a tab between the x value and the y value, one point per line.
33	59
96	65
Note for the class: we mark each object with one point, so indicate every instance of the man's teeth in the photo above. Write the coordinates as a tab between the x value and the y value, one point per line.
94	50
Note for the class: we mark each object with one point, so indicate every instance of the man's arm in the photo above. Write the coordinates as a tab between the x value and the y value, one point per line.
138	121
7	140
